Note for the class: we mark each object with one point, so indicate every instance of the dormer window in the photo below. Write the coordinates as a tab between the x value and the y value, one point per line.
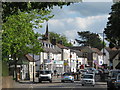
46	45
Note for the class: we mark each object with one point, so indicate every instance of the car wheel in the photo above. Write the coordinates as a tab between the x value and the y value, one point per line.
40	81
82	84
62	81
108	88
50	81
93	85
72	81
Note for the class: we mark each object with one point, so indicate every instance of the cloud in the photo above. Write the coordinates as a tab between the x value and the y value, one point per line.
84	9
70	26
78	17
97	0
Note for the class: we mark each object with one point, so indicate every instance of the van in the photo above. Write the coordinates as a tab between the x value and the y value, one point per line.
45	75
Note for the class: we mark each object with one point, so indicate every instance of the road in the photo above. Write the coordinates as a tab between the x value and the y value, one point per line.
56	84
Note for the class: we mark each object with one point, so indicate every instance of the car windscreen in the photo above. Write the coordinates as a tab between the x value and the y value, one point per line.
45	72
114	74
119	77
88	76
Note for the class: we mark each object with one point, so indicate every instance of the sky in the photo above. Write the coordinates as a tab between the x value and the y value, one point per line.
77	17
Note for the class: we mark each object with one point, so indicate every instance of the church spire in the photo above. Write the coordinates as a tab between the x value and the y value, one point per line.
46	36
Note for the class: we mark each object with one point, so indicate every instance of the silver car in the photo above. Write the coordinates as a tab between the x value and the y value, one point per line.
88	79
67	77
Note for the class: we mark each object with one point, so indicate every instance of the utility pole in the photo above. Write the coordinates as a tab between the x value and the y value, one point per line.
103	46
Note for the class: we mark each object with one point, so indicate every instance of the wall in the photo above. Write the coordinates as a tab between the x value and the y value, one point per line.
8	82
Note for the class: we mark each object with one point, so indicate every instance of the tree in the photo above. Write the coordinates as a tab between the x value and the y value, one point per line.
87	38
59	38
18	37
11	8
112	29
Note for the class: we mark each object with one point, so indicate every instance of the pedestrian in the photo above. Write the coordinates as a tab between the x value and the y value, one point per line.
55	72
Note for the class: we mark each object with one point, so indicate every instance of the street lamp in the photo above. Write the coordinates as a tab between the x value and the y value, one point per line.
103	46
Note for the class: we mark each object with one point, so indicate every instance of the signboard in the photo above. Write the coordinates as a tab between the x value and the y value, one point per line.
48	61
58	62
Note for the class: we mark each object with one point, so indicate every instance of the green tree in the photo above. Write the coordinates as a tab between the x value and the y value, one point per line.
59	38
18	37
87	38
11	8
112	29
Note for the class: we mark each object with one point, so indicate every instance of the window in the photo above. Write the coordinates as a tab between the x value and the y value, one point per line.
46	45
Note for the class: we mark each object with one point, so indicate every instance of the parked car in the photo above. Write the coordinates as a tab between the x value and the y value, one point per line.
88	79
117	82
112	78
67	77
45	75
83	71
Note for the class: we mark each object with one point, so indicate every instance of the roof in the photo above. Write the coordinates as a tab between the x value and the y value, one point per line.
61	46
110	49
29	58
97	51
113	54
83	49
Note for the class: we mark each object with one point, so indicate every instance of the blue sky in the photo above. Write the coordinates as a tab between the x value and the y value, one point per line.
85	16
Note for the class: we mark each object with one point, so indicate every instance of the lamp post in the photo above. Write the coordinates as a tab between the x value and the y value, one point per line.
103	46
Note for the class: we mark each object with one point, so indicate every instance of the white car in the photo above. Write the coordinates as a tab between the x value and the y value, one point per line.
45	76
88	79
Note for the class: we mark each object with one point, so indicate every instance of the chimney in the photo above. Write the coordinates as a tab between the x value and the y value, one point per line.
53	41
60	42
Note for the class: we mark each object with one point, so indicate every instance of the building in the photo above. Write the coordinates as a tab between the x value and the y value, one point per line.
97	58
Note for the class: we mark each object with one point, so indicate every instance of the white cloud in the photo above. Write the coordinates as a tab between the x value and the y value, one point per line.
70	26
97	0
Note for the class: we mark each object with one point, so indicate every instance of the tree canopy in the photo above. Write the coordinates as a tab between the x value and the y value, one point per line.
87	38
59	38
18	36
112	29
10	8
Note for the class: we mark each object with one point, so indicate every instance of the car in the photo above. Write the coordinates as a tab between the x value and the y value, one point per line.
67	77
45	75
117	82
88	79
112	78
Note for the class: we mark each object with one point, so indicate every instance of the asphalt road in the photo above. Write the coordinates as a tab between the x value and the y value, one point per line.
57	85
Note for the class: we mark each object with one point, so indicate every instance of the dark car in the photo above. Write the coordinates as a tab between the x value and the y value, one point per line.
112	78
117	82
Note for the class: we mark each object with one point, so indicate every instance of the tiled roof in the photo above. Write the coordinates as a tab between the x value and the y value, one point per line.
97	51
61	46
113	54
83	48
29	58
